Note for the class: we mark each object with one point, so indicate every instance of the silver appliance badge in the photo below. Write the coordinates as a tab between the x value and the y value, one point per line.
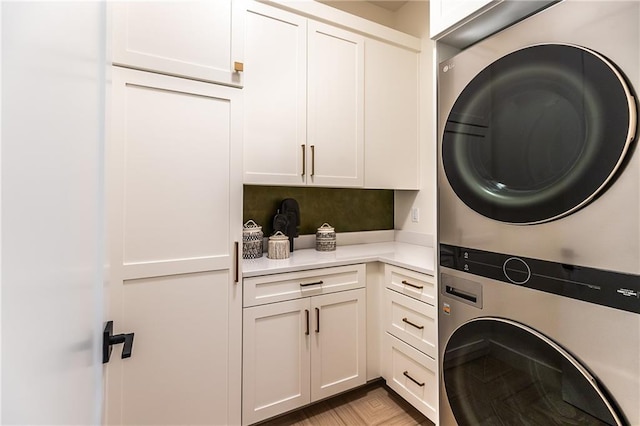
628	292
447	67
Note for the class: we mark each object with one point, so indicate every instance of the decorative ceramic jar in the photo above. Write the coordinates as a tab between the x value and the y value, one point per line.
278	246
326	238
252	240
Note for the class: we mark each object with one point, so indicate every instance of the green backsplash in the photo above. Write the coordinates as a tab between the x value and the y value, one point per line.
347	210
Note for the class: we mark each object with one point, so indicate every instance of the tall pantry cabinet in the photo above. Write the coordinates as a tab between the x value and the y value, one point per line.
174	194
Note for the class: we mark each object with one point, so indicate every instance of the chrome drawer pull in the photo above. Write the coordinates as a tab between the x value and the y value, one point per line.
419	327
419	287
406	374
308	284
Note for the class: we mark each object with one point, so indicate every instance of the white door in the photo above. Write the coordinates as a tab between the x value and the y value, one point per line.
53	85
175	215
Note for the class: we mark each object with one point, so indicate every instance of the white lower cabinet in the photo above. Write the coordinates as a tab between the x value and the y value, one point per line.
409	345
299	351
412	374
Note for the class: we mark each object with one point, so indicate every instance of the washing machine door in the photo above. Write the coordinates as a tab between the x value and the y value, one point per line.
538	133
498	371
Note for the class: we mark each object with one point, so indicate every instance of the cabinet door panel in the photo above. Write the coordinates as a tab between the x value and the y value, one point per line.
411	320
412	374
413	284
338	357
276	95
174	213
168	168
275	358
391	117
180	356
293	285
188	39
335	106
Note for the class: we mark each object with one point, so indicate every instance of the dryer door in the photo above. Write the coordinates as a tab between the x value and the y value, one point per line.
538	134
498	371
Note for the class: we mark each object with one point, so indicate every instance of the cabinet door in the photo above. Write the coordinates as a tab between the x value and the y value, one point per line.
196	39
275	90
391	117
174	213
275	358
335	132
338	355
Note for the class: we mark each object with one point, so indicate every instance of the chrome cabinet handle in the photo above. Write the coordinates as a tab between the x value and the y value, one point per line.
406	374
419	327
304	159
419	287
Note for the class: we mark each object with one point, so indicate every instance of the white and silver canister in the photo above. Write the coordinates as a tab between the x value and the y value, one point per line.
326	238
251	240
278	246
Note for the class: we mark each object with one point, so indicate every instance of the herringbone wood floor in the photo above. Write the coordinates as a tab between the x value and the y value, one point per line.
371	405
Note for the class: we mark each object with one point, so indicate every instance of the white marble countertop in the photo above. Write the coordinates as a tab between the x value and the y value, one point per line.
414	257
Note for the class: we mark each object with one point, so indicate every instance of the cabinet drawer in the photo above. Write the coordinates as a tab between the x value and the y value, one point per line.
413	284
279	287
412	375
411	320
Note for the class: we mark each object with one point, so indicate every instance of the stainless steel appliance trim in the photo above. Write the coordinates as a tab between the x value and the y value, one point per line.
631	131
555	346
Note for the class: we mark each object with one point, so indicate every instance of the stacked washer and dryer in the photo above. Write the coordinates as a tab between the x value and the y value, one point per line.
539	221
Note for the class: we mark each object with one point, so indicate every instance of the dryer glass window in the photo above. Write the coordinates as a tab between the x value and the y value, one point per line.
500	372
538	133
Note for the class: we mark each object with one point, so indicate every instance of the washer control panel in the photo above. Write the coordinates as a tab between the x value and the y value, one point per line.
607	288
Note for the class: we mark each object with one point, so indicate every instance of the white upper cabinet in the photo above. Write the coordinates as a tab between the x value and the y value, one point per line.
275	93
335	131
193	39
391	117
304	114
327	106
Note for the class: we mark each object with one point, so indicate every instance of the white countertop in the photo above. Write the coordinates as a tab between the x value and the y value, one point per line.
414	257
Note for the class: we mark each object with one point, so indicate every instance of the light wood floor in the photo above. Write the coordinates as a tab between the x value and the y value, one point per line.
371	405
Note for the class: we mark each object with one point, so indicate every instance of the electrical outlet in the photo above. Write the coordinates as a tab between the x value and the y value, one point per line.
415	214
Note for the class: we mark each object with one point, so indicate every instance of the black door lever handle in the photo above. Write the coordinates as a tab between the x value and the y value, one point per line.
108	340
